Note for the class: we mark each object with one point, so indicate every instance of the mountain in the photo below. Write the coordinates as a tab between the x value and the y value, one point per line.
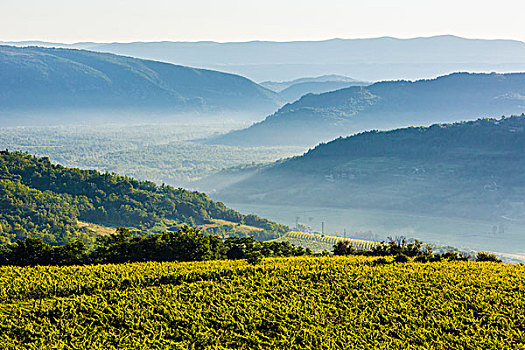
37	80
296	91
40	199
290	91
386	105
279	86
467	169
459	184
373	59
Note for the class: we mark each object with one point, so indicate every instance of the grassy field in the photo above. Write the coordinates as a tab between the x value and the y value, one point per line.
365	223
283	303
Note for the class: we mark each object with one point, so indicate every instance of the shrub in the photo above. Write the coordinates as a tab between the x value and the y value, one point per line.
484	256
401	258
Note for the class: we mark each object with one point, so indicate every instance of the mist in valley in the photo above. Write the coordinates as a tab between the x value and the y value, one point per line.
252	146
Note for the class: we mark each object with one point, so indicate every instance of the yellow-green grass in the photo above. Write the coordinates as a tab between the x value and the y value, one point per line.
283	303
98	229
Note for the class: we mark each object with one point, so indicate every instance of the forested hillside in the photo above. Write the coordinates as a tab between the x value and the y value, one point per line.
386	105
468	169
47	80
40	199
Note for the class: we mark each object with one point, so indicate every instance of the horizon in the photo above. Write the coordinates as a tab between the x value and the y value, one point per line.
259	40
238	21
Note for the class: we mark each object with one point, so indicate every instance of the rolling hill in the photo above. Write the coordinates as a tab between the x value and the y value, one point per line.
290	91
45	80
296	91
279	86
293	90
372	59
469	171
386	105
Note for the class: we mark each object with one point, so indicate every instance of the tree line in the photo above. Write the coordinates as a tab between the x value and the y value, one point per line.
185	244
402	250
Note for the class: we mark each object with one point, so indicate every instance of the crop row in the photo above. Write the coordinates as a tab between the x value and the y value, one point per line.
292	303
356	243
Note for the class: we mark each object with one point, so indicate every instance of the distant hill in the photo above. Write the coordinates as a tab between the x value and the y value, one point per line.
373	59
279	86
386	105
40	199
470	170
290	91
296	91
35	79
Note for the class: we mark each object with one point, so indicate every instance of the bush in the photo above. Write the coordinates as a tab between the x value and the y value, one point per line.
401	258
343	248
484	256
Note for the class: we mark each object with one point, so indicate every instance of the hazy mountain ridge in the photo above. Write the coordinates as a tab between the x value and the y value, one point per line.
385	105
279	86
296	91
372	59
35	78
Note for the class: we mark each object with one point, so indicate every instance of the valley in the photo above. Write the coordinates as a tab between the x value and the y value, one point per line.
163	153
335	175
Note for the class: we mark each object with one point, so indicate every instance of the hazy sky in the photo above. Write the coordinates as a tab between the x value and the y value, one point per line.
240	20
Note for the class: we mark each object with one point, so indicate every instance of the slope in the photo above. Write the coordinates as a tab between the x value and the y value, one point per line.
279	86
386	105
40	79
41	199
468	169
296	91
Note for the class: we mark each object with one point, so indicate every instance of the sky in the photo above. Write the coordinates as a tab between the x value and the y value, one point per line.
69	21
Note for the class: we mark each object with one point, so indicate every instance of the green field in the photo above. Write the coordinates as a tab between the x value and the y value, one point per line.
367	223
283	303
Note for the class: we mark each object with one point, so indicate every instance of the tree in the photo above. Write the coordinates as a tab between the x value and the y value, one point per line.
29	252
72	253
484	256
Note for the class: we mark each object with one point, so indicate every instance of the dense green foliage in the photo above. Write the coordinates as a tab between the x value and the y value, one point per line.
185	244
42	199
285	303
401	249
386	105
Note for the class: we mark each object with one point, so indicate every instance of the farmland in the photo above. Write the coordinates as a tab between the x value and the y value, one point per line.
286	303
